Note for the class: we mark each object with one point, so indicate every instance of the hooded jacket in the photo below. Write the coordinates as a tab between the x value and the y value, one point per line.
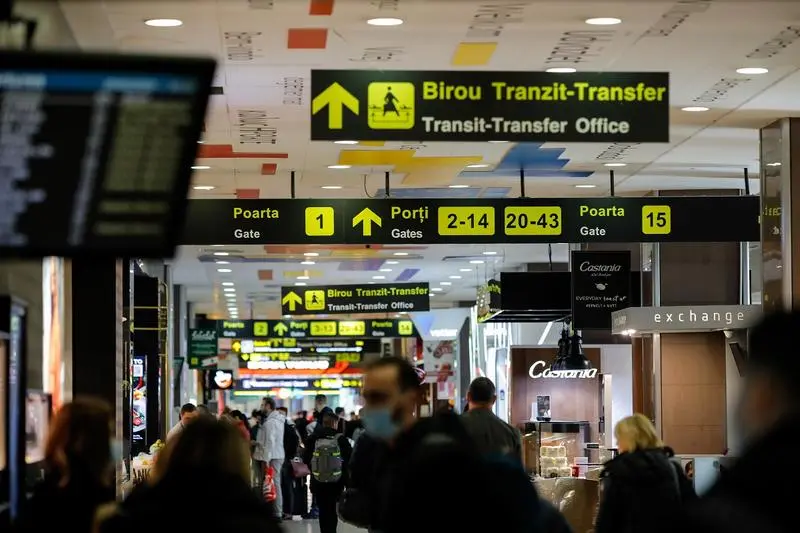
642	492
269	438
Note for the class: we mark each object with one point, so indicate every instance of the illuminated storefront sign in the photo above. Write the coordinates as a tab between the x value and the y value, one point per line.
539	369
263	384
675	319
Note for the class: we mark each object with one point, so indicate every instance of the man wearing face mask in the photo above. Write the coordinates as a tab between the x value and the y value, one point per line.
753	495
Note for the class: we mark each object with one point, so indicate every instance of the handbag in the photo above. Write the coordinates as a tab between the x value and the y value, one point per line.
269	490
354	508
299	468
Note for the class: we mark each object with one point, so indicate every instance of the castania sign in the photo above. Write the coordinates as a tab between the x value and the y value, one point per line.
539	369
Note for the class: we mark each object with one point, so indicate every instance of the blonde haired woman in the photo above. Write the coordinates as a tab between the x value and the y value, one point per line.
643	490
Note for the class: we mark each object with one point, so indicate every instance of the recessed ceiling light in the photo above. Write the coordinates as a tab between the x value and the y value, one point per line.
489	253
223	262
752	70
345	142
308	263
371	283
391	262
163	23
585	186
378	277
603	21
229	289
478	165
299	284
303	277
454	277
385	270
437	289
385	21
400	254
224	270
562	70
694	109
498	142
204	187
221	253
459	186
465	270
476	262
227	284
200	167
331	187
776	164
445	283
431	295
311	254
338	167
615	164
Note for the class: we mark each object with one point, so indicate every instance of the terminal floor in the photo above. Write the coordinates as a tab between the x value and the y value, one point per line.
312	526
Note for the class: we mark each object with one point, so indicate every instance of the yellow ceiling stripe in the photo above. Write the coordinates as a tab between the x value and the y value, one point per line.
473	54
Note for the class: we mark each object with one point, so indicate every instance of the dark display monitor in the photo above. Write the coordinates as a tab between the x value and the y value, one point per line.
96	151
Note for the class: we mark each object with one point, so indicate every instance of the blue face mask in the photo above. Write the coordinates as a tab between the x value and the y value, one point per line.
116	450
379	423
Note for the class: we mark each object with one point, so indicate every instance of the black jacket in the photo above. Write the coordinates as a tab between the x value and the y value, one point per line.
491	435
193	501
755	494
344	447
642	492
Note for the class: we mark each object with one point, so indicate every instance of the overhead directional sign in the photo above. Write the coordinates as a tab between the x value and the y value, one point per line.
397	105
349	299
452	221
319	329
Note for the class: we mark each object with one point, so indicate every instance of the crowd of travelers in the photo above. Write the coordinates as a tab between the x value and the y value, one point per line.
392	471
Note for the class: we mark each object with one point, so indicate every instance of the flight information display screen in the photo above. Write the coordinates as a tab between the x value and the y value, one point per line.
96	151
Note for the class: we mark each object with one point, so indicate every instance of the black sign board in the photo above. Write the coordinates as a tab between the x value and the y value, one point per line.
354	299
397	105
474	221
202	345
263	384
601	284
294	345
96	151
320	329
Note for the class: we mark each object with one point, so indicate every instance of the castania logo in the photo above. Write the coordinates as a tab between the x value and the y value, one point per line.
204	335
587	266
539	369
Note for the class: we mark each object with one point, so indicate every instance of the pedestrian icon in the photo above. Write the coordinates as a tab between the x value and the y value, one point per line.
390	105
315	300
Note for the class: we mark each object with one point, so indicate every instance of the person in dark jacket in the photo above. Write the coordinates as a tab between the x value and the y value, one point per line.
754	495
490	434
642	488
328	493
79	470
209	458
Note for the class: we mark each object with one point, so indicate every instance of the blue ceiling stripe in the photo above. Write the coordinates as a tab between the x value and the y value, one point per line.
407	274
538	162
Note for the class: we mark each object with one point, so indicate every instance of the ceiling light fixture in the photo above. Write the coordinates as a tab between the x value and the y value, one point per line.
753	71
454	277
385	270
458	186
200	167
163	23
437	289
498	142
694	109
489	253
221	253
776	164
562	70
378	277
585	186
308	263
400	254
445	283
338	167
345	142
229	289
299	284
603	21
311	254
223	262
465	270
478	165
385	21
204	187
303	277
227	284
615	164
391	262
331	187
224	270
476	262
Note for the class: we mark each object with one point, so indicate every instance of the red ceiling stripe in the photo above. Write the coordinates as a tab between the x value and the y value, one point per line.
225	151
269	169
307	39
321	7
247	194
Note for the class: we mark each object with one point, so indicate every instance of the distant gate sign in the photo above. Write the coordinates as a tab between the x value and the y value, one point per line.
392	105
202	346
338	299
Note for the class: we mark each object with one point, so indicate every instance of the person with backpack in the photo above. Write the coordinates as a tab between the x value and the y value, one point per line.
327	455
291	450
642	489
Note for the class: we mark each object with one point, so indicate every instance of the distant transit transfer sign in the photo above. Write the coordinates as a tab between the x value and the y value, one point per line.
472	221
397	105
355	299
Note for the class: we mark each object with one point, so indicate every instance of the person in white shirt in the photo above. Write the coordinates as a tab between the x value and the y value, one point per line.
188	412
269	447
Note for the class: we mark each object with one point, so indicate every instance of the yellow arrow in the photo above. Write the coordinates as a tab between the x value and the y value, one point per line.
280	328
236	346
292	300
335	98
367	217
